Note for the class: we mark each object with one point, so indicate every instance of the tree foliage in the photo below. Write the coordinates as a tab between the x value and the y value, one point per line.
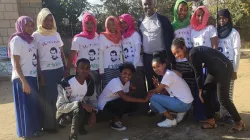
73	8
237	8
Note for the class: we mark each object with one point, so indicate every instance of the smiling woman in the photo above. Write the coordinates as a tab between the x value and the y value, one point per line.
24	78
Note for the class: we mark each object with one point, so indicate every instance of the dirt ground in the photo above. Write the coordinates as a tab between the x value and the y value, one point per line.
142	127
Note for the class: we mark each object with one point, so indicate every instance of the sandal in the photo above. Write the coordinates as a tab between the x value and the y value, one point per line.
236	129
211	126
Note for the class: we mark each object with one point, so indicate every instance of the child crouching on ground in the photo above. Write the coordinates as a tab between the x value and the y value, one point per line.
77	102
116	98
180	99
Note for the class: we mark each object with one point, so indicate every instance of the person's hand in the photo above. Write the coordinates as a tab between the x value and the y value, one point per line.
200	92
147	98
41	81
155	81
177	72
26	88
92	119
133	87
89	108
234	76
150	93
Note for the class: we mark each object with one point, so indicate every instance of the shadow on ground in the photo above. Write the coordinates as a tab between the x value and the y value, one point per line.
144	128
5	90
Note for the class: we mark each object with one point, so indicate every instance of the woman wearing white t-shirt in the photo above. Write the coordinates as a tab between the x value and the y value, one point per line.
229	45
86	45
203	34
180	99
110	50
117	99
131	43
51	62
23	54
182	29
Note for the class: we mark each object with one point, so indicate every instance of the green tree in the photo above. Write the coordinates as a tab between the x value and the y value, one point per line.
73	8
237	8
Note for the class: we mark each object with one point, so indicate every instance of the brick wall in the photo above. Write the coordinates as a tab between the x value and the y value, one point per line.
29	8
8	16
10	10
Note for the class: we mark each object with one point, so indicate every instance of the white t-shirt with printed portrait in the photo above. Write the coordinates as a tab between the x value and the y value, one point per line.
111	53
78	91
28	57
89	49
202	37
132	49
185	33
49	51
177	87
110	92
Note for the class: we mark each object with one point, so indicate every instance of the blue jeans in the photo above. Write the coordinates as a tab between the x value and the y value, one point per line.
163	103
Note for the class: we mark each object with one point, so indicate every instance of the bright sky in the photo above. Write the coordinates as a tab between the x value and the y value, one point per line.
95	1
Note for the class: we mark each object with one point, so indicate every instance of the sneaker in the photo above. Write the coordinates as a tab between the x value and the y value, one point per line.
180	116
167	123
118	126
73	137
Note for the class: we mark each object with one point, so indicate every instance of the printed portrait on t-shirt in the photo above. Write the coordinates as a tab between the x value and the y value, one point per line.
53	52
34	60
126	53
92	54
113	55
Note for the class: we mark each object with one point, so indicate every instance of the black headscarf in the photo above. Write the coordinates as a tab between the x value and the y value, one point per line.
225	30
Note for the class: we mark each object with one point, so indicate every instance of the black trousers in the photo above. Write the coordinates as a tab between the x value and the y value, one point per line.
222	82
77	118
119	107
149	72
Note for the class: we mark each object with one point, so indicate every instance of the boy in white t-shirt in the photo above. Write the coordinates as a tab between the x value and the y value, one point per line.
180	99
77	101
116	97
86	45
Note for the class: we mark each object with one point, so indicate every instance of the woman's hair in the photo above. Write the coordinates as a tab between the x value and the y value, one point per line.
178	43
82	60
129	66
161	57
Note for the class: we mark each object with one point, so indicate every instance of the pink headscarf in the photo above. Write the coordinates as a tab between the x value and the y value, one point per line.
115	38
131	25
194	22
89	35
20	27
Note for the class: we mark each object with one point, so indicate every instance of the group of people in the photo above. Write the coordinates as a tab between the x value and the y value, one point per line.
187	64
